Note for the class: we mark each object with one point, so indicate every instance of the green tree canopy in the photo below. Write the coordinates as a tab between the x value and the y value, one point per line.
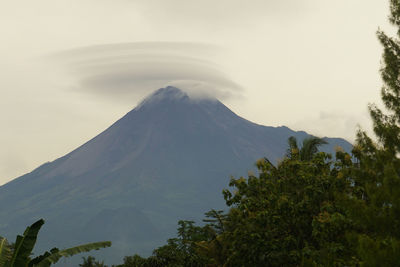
376	203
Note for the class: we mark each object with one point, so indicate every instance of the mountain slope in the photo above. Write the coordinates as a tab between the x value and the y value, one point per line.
167	159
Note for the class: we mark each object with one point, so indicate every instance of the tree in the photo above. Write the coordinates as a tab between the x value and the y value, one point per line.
135	261
91	262
375	206
178	252
181	251
287	216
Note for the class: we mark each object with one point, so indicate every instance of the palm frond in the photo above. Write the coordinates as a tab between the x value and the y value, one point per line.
293	149
310	147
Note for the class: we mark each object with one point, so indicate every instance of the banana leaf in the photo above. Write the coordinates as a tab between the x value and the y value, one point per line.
5	252
24	245
50	258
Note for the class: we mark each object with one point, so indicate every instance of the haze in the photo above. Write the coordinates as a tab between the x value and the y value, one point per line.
310	65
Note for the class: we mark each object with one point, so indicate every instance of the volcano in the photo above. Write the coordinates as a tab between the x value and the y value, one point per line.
166	160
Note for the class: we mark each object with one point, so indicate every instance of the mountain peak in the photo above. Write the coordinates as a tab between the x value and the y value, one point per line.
168	93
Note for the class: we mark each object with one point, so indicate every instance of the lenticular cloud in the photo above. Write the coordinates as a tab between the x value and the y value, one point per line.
133	69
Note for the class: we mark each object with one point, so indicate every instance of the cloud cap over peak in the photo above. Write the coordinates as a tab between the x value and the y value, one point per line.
127	71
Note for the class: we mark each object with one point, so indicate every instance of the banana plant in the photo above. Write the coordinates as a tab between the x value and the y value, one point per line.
5	251
19	256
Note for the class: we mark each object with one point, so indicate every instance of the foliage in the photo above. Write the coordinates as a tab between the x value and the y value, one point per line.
181	251
54	255
308	149
375	206
135	261
24	245
19	254
5	251
186	249
287	215
91	262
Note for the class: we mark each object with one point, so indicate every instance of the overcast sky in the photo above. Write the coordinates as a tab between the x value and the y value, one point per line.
70	68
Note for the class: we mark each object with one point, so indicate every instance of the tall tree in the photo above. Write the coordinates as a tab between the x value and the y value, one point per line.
375	206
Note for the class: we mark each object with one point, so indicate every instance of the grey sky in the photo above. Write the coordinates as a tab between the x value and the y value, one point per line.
308	64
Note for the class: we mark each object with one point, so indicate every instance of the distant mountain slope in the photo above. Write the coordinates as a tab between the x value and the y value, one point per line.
167	159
